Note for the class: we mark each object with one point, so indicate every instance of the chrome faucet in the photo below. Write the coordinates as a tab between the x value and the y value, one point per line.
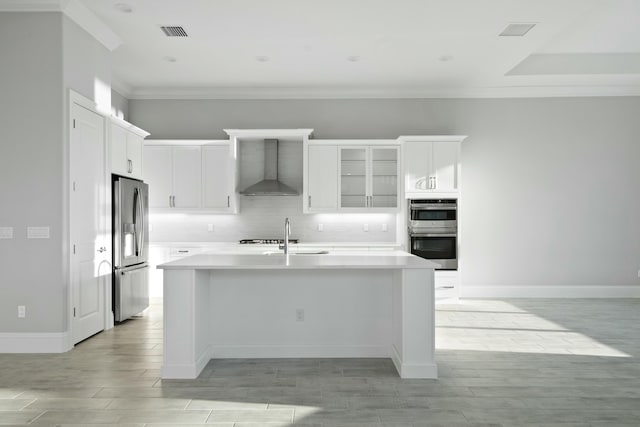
287	233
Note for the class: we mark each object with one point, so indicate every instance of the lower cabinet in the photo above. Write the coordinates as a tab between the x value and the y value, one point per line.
447	286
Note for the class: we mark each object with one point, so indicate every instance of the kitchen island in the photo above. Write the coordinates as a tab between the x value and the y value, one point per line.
274	306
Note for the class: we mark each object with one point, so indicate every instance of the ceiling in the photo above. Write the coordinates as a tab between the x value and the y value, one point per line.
373	48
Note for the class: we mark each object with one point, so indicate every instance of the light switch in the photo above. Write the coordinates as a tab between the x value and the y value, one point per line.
37	232
365	227
210	228
384	227
6	232
320	227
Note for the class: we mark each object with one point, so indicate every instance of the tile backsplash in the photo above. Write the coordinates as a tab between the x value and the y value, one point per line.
263	217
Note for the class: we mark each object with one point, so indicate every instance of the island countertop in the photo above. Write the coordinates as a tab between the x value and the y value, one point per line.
278	261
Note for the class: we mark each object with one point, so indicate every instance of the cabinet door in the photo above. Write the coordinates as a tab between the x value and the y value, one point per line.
353	177
417	165
118	140
134	154
384	177
322	177
445	166
187	177
158	174
217	176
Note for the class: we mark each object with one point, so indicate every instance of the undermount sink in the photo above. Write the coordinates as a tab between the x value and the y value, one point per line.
296	253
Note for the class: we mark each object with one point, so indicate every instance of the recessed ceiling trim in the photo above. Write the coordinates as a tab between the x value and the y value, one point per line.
382	92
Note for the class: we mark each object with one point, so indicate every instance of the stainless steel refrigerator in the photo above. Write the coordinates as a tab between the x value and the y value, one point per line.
130	247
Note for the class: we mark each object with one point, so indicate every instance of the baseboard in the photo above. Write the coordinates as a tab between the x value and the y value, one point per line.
282	351
516	291
408	370
35	342
186	370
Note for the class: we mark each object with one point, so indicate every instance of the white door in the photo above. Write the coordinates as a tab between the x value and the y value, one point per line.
445	166
187	177
158	174
322	177
216	163
90	267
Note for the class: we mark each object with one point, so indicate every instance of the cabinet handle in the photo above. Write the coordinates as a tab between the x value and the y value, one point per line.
129	166
228	201
174	201
435	182
309	201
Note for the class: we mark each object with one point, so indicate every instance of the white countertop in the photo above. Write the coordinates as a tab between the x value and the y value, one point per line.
388	260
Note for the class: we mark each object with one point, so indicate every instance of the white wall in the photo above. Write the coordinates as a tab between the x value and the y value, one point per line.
551	186
119	105
43	54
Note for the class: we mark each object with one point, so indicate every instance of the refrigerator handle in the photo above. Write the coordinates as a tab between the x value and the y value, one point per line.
142	221
136	219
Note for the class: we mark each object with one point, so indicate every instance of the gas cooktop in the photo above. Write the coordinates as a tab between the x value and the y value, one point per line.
265	241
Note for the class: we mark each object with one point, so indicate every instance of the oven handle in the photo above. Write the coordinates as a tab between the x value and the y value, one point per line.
432	208
433	234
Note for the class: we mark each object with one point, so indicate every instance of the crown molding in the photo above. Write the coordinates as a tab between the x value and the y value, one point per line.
382	92
79	14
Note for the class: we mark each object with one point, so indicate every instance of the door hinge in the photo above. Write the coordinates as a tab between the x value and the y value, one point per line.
74	312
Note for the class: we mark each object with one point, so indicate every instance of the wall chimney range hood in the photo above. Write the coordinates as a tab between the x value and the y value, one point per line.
270	185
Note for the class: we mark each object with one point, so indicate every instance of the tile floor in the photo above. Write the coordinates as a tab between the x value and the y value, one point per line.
502	363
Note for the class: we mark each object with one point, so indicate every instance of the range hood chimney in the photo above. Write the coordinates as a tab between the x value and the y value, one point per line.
270	186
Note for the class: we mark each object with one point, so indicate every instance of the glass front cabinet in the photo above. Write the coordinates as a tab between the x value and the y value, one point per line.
368	177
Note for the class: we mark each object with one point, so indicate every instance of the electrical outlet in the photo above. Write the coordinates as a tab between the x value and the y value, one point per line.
638	273
210	228
365	227
22	311
384	227
320	227
299	315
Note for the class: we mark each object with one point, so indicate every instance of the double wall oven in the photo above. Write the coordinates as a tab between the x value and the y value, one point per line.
433	231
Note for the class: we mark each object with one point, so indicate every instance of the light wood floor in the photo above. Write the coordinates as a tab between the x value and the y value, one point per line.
502	362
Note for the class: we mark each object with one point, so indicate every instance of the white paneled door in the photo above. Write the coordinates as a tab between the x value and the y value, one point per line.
90	266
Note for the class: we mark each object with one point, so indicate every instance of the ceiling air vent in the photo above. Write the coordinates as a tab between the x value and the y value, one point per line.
174	32
516	30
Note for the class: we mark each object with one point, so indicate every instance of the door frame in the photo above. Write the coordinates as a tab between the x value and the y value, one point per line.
76	98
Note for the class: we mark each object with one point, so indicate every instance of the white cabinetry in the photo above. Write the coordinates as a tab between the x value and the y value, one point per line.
126	148
351	176
218	173
190	175
368	177
321	179
431	164
174	175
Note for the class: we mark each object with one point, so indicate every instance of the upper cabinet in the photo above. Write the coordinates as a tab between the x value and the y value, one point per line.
352	176
190	175
321	174
126	142
431	165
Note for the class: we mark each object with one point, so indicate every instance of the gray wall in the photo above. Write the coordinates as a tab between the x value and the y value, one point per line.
43	55
551	188
31	170
119	105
